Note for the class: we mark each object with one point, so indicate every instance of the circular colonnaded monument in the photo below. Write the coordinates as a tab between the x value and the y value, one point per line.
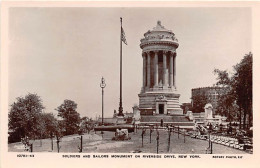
159	94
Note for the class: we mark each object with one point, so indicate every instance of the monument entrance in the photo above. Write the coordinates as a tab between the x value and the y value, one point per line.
161	108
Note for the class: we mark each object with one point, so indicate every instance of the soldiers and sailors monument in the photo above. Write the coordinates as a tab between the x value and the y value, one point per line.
159	92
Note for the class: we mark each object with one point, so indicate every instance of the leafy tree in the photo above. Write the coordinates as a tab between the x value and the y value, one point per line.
42	129
223	78
50	124
227	105
59	134
71	118
24	117
226	101
84	125
243	87
239	91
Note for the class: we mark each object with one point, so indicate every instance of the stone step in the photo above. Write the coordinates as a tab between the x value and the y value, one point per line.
165	118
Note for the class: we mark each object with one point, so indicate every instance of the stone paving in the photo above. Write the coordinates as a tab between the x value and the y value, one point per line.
94	143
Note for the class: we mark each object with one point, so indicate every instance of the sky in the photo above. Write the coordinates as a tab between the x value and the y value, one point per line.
62	53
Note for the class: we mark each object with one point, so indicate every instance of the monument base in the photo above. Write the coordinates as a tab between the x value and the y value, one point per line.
151	103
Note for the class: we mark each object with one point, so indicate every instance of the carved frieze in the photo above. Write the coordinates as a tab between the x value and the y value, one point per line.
159	37
160	97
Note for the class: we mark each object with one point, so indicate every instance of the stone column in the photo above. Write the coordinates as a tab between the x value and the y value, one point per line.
148	69
174	66
164	68
144	69
171	70
155	68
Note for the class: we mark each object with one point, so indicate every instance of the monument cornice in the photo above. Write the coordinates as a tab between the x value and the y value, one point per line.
154	48
147	52
169	43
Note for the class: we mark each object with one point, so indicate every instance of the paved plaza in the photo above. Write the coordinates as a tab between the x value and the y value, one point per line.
94	143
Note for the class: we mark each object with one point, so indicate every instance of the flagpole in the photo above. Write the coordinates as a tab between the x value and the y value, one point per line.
120	101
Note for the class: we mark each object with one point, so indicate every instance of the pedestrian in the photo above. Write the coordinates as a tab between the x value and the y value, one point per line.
161	122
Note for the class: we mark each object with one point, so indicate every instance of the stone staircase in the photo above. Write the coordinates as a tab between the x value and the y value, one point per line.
166	118
176	120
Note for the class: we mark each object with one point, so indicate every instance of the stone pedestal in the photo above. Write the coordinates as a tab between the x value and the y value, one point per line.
208	111
159	103
136	113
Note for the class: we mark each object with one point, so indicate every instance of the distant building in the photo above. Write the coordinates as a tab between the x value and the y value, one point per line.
212	94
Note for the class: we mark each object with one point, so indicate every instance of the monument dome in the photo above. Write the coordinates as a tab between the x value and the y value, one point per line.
159	38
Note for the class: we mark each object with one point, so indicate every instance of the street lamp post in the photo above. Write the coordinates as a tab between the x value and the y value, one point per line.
102	85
